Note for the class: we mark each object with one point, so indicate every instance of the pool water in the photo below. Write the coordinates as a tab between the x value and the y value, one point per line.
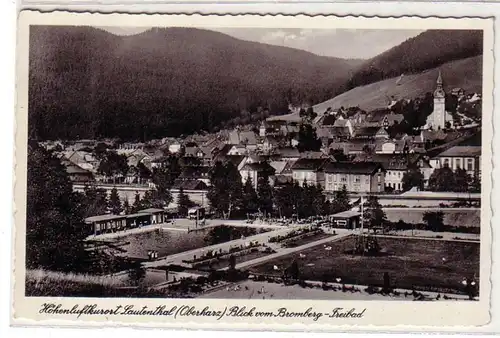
165	242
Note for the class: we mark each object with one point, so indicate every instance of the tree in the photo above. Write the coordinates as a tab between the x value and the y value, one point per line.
232	262
434	220
475	184
265	195
373	215
285	199
250	198
226	189
462	180
126	206
183	202
442	179
413	178
55	227
137	203
143	172
308	139
95	200
113	165
114	202
163	179
341	200
318	200
293	270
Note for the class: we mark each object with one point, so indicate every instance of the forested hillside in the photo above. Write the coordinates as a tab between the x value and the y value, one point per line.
425	51
87	83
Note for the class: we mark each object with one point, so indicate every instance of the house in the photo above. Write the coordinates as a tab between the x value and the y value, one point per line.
189	185
346	219
395	167
256	171
372	132
77	174
200	173
465	157
246	138
238	149
288	154
282	167
458	92
359	177
82	159
344	123
309	170
270	142
175	147
391	147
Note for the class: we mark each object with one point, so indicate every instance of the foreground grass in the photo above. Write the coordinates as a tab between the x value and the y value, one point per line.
412	264
42	283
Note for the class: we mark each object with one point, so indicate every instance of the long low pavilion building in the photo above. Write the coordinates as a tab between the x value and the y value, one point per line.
112	223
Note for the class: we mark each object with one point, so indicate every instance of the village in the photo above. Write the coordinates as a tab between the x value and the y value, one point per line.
258	203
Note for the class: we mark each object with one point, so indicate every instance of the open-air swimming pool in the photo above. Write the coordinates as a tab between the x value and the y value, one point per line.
167	242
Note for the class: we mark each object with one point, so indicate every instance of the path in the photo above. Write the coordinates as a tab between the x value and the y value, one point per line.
179	257
286	251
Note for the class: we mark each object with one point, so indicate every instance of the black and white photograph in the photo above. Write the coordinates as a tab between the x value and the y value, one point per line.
254	163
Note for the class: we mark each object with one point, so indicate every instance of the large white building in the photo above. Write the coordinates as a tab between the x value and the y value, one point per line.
439	116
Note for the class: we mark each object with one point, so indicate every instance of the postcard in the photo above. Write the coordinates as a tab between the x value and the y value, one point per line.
256	172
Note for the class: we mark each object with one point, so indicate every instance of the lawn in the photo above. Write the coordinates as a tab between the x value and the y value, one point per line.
411	263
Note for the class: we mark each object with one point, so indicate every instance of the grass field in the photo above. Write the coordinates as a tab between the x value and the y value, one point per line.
411	263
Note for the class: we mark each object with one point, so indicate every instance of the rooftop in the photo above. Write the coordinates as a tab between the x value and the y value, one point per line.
313	164
461	151
347	214
353	167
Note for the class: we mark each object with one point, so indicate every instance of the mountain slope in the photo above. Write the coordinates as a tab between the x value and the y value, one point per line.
86	83
425	51
466	74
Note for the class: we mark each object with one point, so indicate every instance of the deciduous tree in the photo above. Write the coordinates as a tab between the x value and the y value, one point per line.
413	178
55	226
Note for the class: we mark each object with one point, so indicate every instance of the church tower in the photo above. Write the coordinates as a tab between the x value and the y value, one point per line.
438	118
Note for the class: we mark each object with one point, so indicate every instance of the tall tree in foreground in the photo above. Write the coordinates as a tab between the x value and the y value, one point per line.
462	180
434	220
442	179
413	178
341	200
265	195
226	189
308	139
114	202
55	227
183	202
373	215
249	198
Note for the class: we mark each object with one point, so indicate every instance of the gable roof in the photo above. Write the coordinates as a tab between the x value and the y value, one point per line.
288	152
461	151
353	167
189	184
311	164
259	167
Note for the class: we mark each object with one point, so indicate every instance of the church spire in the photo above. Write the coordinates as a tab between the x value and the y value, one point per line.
439	92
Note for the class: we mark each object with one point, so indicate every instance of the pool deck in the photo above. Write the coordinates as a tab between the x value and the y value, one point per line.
186	225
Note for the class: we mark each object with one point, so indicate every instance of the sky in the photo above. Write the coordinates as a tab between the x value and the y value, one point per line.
343	43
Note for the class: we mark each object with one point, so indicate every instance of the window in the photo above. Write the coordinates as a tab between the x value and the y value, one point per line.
458	163
357	179
378	178
469	166
343	178
368	180
446	162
